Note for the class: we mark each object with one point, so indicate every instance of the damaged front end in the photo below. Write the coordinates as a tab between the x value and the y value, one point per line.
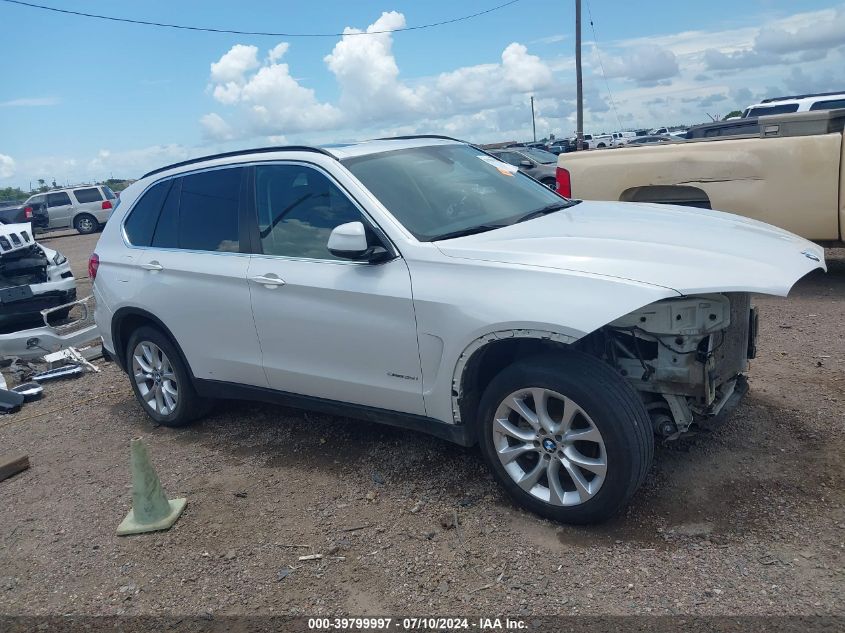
32	278
686	357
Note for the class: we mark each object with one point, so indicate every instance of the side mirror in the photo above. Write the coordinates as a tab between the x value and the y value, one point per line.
526	163
349	241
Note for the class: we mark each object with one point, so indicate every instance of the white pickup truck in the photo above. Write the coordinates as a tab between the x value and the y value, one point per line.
786	170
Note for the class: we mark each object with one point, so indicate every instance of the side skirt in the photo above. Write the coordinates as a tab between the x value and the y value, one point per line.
455	433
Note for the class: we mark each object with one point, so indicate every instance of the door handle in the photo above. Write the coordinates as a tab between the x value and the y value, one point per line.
153	265
269	280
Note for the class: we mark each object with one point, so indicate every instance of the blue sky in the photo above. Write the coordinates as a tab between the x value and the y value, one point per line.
85	99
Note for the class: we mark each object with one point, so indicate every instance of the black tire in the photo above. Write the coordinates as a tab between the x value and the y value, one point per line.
551	183
85	224
614	408
189	405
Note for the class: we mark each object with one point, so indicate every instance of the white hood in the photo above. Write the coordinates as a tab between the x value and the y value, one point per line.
683	248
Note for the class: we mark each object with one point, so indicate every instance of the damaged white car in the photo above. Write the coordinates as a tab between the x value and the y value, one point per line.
32	278
422	283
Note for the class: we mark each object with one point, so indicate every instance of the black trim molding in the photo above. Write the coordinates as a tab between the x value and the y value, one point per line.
455	433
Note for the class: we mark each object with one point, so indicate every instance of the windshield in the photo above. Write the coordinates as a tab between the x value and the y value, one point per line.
439	190
540	155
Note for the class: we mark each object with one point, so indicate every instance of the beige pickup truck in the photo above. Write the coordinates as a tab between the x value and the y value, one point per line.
787	170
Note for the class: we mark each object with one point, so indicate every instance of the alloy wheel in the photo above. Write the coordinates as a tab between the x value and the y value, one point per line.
155	378
549	446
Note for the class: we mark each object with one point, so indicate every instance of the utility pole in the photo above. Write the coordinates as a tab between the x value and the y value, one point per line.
579	143
533	123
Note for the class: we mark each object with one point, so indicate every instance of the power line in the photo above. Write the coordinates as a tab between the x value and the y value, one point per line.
262	33
601	65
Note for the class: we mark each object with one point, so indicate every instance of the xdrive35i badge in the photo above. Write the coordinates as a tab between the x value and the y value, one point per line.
810	255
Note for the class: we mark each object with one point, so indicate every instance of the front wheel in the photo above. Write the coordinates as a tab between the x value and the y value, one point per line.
566	436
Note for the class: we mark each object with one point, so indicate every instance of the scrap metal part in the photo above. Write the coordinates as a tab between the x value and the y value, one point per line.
29	390
35	342
66	371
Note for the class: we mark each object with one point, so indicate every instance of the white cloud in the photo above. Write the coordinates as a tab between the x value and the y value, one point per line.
644	64
820	34
524	72
31	102
268	100
7	166
368	75
277	52
271	99
216	128
235	64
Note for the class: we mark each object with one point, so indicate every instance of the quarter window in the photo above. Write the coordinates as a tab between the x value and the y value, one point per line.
164	234
297	209
141	223
87	195
831	104
59	199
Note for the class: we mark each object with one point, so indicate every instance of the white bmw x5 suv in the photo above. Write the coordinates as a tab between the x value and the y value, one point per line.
422	283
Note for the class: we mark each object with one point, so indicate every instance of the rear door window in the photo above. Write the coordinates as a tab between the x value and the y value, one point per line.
108	192
141	223
87	195
208	211
59	199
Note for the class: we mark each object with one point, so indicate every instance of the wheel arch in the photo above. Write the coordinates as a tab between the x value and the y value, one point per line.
683	195
487	355
128	319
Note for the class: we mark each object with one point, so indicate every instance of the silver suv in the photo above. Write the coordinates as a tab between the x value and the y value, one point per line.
84	208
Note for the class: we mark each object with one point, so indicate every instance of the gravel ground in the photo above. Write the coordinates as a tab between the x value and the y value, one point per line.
746	519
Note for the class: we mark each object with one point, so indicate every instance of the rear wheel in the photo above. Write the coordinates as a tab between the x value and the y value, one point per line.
551	183
566	436
160	379
85	223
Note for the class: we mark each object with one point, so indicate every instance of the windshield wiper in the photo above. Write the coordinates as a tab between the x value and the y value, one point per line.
481	228
549	208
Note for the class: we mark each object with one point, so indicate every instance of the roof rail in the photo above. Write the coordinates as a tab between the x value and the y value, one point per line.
806	96
241	152
413	136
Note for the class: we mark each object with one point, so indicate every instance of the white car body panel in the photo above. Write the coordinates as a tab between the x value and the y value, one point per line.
362	333
682	248
339	330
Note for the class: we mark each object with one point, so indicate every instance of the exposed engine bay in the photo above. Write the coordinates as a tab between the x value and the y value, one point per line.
32	277
687	356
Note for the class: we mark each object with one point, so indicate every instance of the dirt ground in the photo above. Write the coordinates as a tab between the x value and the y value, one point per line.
747	519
